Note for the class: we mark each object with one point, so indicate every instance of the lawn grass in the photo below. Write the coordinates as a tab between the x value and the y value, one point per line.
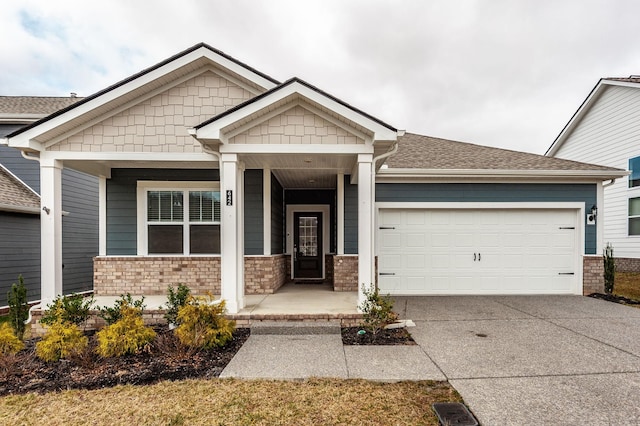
236	402
627	284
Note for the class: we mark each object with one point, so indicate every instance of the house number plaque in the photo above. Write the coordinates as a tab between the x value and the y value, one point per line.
229	197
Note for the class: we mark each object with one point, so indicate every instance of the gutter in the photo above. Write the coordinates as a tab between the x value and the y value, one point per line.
485	173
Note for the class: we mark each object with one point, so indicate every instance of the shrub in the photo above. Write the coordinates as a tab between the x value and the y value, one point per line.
128	335
62	339
176	299
609	269
9	343
112	314
202	323
377	310
18	307
73	309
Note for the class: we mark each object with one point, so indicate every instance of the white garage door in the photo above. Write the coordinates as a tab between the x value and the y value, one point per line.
488	251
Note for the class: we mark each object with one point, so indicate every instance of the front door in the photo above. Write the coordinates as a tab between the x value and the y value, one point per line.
307	245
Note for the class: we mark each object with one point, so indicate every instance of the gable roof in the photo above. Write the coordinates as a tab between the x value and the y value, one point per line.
15	196
430	155
150	78
632	81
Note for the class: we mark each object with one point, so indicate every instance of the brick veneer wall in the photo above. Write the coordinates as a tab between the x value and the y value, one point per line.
627	264
345	273
264	274
592	275
113	276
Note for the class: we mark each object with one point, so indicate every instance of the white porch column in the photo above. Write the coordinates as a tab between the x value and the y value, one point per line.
239	201
230	244
102	216
50	229
365	224
340	212
266	208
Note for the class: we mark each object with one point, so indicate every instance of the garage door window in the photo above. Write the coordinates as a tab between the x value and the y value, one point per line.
634	216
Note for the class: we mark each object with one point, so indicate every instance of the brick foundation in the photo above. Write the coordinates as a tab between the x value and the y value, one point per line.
113	276
592	274
627	264
264	274
345	273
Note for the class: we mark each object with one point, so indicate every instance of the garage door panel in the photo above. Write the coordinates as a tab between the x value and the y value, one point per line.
478	251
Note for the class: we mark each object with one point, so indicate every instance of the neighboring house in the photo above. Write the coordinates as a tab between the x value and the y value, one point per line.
215	175
20	252
606	130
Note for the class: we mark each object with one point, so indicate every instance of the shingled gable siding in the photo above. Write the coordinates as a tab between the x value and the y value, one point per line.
20	253
490	192
296	126
253	213
160	123
121	202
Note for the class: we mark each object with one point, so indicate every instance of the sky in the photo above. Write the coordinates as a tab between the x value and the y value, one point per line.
504	73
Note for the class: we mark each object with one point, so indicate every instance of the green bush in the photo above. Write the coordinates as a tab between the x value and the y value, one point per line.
176	299
128	335
73	309
18	307
377	311
112	314
61	340
202	323
9	343
609	269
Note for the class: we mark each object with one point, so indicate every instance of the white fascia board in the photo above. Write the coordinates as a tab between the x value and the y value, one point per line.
20	118
19	209
295	149
384	174
568	205
213	131
131	156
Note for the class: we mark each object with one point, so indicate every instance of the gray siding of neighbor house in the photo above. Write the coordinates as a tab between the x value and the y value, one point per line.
277	216
253	213
19	253
121	202
350	217
27	171
494	192
79	230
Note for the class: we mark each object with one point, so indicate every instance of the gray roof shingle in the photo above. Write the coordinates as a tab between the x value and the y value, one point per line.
41	105
426	152
15	195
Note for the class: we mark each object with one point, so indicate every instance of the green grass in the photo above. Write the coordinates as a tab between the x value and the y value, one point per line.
236	402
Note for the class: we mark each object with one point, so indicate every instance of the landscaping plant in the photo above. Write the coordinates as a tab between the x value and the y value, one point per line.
128	335
377	310
73	309
176	299
9	342
111	314
18	307
609	269
61	340
202	323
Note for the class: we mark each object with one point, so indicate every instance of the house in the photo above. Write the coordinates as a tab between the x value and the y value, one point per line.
218	176
20	207
606	130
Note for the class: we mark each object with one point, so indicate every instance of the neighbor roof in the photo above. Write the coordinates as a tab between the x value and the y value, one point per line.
15	195
37	105
426	152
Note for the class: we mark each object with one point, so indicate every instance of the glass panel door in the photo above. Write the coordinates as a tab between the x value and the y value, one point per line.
307	250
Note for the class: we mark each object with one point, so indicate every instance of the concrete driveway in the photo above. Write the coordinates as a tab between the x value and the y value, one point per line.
534	359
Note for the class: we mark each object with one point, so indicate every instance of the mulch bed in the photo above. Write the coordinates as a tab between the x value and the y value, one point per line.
394	336
164	359
616	299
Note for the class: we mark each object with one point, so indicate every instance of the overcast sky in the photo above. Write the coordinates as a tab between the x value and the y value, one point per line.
504	73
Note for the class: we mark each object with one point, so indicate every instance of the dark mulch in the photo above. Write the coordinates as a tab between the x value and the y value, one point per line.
164	359
395	336
616	299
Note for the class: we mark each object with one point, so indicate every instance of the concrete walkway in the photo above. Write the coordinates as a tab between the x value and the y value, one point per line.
560	360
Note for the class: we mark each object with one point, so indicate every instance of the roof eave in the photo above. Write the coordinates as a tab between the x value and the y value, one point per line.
19	209
503	174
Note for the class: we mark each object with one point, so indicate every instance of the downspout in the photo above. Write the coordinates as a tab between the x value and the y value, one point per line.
393	150
611	182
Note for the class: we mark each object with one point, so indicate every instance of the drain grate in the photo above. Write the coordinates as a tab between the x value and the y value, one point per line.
454	413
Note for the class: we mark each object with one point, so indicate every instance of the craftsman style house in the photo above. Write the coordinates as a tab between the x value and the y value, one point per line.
215	175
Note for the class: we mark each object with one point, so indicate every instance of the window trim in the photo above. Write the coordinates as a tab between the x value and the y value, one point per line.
629	217
629	178
143	187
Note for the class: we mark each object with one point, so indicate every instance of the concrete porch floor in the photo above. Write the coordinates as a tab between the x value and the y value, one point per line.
290	299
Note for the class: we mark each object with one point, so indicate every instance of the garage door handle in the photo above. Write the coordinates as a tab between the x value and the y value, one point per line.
387	273
566	273
567	227
387	227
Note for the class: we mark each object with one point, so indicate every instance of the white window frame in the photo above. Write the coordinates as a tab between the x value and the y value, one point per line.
144	187
629	217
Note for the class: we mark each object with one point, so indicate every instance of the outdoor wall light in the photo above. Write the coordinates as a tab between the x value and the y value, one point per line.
46	209
594	213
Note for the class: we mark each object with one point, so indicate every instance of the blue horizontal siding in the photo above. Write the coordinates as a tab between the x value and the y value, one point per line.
350	217
19	253
494	192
